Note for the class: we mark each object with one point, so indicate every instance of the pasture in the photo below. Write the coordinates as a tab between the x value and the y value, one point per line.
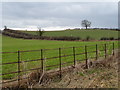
93	34
13	45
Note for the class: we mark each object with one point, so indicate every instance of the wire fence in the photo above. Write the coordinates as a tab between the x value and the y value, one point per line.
23	62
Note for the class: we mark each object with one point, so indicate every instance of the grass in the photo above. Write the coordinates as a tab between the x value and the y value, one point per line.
93	34
81	74
91	71
11	45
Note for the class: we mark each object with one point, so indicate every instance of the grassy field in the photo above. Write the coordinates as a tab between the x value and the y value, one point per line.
12	45
93	34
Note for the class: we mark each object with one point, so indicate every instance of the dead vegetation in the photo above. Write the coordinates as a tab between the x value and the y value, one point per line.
102	73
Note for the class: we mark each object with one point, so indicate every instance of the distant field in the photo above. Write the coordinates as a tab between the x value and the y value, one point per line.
93	34
12	44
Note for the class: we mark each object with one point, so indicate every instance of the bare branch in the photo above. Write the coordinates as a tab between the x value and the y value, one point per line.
40	31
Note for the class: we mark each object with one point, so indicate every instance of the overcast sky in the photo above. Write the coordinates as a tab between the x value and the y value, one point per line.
59	15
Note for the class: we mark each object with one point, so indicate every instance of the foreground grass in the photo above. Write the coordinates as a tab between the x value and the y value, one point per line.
93	34
12	44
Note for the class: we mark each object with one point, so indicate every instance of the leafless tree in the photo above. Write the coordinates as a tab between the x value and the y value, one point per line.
86	23
40	31
5	27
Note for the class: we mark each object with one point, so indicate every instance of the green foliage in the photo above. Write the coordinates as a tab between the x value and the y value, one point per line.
81	74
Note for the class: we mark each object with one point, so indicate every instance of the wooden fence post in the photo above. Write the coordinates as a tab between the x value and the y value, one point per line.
105	51
74	56
96	51
86	56
18	68
42	62
60	62
42	66
113	49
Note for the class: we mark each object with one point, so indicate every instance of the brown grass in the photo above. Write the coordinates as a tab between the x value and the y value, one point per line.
101	73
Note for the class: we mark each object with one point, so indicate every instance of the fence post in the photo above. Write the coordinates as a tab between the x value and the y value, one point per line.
113	49
74	56
105	51
18	68
60	62
42	63
86	56
96	51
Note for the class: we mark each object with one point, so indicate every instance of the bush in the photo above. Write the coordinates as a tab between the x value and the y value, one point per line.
66	38
88	38
118	38
19	34
105	38
111	38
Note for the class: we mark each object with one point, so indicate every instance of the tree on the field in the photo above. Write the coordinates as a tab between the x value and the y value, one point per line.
40	31
5	27
86	23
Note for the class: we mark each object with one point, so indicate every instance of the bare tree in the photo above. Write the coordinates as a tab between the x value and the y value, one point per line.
40	31
5	27
0	31
86	23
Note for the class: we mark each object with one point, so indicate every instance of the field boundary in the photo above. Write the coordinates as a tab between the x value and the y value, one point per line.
24	35
60	65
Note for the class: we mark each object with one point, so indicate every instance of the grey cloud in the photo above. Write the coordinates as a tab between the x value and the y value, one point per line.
59	14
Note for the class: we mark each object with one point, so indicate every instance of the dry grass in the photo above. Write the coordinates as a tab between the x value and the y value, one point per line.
102	73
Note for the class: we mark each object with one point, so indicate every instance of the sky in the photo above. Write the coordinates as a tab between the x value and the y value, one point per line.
59	15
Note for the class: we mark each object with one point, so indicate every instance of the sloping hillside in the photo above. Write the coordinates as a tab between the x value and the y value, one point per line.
17	34
65	35
83	34
25	35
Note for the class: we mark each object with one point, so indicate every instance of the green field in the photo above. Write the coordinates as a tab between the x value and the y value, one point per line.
93	34
12	45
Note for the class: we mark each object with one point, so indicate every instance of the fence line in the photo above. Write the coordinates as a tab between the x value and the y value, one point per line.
60	56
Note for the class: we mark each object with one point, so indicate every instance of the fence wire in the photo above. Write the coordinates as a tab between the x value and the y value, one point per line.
48	59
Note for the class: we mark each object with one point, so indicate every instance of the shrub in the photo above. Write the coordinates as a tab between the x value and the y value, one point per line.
66	38
105	38
88	38
111	38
